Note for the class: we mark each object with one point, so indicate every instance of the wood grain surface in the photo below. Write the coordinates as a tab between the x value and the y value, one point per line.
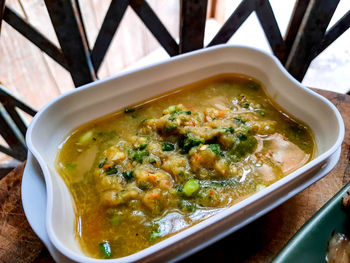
260	241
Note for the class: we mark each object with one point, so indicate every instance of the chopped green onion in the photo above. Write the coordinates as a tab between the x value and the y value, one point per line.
191	187
86	138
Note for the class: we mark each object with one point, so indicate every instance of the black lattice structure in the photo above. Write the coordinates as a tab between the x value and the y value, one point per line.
305	39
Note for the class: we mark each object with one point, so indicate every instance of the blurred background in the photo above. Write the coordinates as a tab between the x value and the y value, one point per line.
35	78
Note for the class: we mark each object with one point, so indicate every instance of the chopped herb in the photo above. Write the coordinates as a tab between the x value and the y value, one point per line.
105	249
134	116
129	110
102	163
190	141
111	170
262	113
191	187
139	154
229	130
216	149
167	146
178	188
128	175
143	146
182	174
177	113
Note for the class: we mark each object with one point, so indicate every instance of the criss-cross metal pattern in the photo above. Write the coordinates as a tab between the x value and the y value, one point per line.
305	39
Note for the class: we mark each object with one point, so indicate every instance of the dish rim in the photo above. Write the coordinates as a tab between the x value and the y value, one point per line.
205	223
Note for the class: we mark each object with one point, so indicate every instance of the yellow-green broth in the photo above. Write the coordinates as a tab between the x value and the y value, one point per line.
139	175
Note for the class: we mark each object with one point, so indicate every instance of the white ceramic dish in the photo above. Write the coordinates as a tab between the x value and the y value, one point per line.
34	204
52	124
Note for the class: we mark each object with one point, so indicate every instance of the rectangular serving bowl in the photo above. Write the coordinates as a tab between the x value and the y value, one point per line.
54	122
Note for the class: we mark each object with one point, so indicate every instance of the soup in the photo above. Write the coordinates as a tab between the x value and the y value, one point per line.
145	173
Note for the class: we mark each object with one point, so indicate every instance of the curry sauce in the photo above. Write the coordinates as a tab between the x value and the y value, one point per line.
142	174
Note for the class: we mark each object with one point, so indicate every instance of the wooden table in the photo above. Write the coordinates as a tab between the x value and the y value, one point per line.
258	242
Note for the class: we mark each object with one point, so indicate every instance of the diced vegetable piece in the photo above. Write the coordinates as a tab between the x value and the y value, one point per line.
128	175
102	163
129	110
172	109
115	220
105	249
191	187
167	146
111	170
86	138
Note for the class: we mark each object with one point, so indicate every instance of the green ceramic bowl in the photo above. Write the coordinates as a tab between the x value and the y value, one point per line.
310	243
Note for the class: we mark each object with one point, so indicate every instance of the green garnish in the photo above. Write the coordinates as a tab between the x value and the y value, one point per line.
167	146
191	187
111	170
139	154
177	113
143	146
105	249
102	163
216	149
128	175
189	142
